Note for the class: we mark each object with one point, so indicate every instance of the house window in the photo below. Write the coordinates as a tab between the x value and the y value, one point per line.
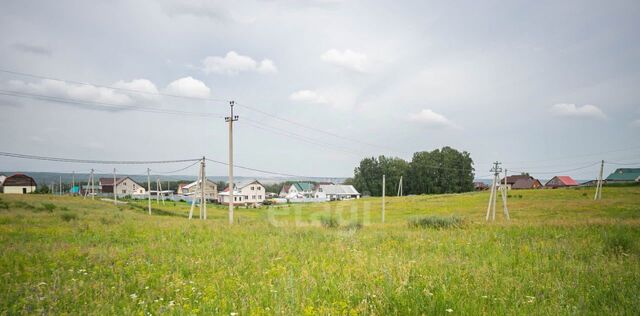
124	191
251	188
259	197
253	197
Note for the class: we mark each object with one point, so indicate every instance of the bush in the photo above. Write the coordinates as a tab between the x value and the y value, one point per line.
329	222
618	242
49	207
67	217
437	222
354	225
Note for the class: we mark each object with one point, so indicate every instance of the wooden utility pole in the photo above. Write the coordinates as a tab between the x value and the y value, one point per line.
230	119
598	195
115	196
383	194
149	188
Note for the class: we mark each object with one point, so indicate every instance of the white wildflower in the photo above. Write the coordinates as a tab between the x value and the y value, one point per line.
172	303
449	310
133	296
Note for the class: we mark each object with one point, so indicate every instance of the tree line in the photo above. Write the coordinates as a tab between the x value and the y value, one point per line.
445	170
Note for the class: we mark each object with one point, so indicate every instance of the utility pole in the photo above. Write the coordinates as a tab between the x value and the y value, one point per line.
93	191
73	183
598	195
149	188
60	186
400	187
115	196
505	189
491	208
383	194
230	119
203	188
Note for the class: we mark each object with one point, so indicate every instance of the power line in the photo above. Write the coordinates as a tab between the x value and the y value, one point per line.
103	104
108	162
557	172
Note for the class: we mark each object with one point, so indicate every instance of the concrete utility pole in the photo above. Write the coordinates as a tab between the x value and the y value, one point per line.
149	188
400	187
73	183
93	186
115	196
598	195
383	194
505	190
230	119
203	200
491	208
60	185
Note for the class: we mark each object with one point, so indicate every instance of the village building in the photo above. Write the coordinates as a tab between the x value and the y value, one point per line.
480	186
18	184
2	177
522	181
124	186
246	193
332	192
297	190
561	182
210	190
624	175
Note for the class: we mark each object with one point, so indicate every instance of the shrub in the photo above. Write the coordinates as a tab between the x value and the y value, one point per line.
436	222
49	207
67	217
354	225
618	242
329	222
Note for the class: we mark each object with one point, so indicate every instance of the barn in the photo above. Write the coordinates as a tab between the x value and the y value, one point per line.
561	182
19	184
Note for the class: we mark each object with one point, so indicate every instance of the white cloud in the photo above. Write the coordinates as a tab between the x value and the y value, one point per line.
61	89
233	63
429	118
571	110
188	87
307	96
347	59
143	85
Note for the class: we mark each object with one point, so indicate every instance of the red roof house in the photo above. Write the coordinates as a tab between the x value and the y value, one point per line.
561	182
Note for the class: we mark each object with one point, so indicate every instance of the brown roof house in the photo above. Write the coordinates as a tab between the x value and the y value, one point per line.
523	181
124	186
18	184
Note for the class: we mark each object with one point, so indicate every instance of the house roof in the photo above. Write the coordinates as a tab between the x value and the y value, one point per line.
565	180
241	184
339	189
109	181
19	179
514	178
527	183
624	174
303	186
188	186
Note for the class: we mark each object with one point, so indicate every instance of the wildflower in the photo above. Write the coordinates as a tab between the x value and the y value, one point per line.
233	314
133	296
530	299
172	303
449	310
146	287
141	302
42	283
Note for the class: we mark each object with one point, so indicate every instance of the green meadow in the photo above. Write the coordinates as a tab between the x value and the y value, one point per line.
561	253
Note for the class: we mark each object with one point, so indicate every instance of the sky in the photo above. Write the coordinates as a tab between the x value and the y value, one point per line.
542	86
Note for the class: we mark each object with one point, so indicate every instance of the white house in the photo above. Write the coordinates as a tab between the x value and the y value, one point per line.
245	193
124	186
297	190
332	192
18	184
210	189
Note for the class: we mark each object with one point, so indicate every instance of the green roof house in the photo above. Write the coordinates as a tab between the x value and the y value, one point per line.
625	175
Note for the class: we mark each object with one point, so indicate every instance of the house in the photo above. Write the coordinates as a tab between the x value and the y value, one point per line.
2	177
625	175
18	184
124	186
297	190
522	181
480	186
245	193
332	192
210	189
561	182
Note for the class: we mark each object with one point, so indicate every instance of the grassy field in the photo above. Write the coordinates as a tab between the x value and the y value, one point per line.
562	253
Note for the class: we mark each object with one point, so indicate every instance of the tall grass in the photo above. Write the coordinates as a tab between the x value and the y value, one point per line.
436	222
